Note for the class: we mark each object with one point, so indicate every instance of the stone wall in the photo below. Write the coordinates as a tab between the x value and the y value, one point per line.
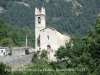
18	57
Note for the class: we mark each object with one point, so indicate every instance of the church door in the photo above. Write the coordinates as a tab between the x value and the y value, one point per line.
48	47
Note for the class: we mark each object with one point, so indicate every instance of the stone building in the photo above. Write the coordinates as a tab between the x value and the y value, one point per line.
46	37
4	51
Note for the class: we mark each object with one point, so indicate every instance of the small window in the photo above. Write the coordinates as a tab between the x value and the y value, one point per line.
39	20
4	53
38	41
48	37
1	51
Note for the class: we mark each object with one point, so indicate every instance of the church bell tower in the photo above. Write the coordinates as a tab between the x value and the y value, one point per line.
39	24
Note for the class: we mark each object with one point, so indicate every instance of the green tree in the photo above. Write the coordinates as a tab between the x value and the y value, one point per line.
4	30
42	67
5	70
44	54
92	42
83	53
77	57
6	42
35	56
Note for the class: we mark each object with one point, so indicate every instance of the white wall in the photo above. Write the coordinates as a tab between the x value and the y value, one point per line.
56	39
60	39
66	38
39	26
3	52
52	41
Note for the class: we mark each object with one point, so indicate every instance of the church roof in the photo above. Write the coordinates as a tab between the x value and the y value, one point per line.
48	28
55	30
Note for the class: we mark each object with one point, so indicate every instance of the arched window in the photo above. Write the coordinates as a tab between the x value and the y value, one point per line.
39	20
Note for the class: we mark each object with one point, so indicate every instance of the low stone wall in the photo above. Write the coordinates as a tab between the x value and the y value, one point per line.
20	61
18	57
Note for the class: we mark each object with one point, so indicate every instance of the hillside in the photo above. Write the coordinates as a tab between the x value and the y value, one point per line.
75	17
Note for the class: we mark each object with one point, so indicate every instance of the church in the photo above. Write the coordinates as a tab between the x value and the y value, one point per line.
47	38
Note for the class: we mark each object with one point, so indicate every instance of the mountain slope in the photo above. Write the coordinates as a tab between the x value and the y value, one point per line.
75	17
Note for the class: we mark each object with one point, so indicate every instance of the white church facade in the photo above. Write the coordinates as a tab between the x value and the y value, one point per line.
47	38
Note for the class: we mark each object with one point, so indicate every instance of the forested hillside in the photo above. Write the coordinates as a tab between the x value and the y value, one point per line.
15	35
76	17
